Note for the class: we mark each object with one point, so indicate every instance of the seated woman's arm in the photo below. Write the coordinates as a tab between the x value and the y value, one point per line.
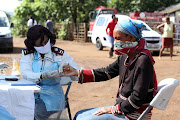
100	74
26	68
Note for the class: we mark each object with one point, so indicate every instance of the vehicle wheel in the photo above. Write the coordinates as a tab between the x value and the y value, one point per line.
156	53
10	49
99	44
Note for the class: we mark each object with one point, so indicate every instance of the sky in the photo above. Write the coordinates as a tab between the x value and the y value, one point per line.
9	5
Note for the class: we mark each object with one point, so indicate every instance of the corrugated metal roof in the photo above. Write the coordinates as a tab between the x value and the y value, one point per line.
171	9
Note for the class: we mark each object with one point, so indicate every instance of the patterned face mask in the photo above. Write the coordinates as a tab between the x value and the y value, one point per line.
125	47
120	44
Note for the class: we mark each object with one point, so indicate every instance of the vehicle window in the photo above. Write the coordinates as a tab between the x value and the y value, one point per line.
95	15
100	21
107	12
147	27
3	22
106	22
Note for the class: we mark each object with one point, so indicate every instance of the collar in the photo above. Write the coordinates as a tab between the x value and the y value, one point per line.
126	61
48	56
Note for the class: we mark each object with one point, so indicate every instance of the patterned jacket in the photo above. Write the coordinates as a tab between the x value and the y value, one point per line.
136	83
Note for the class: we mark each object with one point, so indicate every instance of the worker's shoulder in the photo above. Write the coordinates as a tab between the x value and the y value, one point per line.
57	50
27	52
144	58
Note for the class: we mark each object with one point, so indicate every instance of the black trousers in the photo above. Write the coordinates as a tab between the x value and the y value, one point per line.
111	51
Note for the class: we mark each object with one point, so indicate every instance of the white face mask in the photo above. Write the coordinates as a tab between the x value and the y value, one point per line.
44	49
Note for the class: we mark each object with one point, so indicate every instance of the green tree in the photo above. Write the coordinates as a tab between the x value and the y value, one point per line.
74	11
22	13
85	6
123	6
154	5
126	6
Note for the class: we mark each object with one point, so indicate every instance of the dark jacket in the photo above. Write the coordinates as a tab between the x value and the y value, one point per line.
137	81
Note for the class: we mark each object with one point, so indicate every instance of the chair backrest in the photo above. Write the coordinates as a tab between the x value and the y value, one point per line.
166	88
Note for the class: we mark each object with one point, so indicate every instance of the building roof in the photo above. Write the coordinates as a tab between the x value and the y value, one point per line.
171	9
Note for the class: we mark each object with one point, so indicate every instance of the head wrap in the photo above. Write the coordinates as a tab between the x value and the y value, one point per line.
130	27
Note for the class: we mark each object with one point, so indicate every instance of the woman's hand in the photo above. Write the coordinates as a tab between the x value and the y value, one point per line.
69	71
104	110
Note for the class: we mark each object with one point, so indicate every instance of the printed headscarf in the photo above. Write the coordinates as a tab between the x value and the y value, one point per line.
130	27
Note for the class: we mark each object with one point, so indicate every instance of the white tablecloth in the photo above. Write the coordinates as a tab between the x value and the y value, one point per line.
18	100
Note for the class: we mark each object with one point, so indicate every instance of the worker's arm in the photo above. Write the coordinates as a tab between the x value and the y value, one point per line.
107	29
173	28
159	28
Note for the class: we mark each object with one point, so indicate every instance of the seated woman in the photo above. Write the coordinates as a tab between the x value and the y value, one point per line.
137	79
40	63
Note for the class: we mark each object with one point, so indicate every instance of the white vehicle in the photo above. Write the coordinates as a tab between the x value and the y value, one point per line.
6	39
99	36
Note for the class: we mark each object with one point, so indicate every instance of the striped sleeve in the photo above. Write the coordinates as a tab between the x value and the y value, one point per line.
85	76
115	110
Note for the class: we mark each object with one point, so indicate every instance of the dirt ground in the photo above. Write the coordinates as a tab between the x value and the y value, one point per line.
88	95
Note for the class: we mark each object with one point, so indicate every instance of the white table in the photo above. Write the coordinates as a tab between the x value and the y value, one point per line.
24	102
20	83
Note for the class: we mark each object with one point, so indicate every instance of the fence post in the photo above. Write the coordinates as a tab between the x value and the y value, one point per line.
85	32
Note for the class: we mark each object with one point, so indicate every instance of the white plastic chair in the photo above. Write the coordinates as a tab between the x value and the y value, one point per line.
166	88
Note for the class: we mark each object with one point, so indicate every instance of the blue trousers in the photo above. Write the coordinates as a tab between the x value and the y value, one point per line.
111	40
87	115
